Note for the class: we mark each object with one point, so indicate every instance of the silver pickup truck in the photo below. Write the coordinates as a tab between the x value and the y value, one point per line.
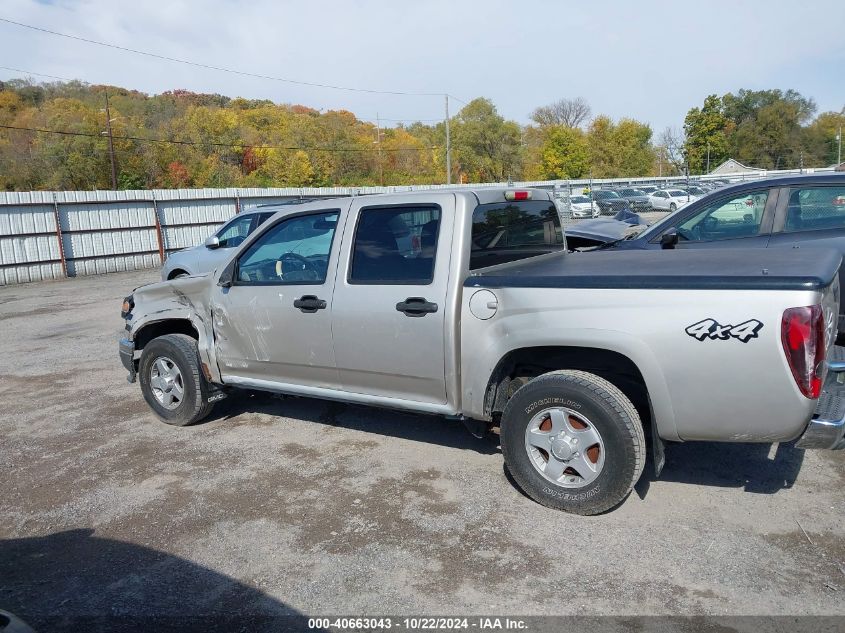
467	304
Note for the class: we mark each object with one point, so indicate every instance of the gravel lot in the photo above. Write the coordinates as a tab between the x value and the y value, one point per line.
277	506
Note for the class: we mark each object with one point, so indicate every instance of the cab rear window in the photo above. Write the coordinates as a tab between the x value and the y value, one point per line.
508	231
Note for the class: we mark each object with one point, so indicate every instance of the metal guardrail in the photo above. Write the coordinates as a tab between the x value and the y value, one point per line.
52	235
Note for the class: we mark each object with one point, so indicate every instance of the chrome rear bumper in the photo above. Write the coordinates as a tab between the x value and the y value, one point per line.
827	427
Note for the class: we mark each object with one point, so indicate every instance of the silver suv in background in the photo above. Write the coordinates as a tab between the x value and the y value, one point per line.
216	248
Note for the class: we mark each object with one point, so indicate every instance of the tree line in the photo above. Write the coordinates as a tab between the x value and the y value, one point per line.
53	136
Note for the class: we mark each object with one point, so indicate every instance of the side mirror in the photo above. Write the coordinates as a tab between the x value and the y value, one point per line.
669	239
212	242
227	277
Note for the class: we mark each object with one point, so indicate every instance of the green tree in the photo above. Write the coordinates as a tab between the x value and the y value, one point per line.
706	130
618	150
820	139
486	146
565	154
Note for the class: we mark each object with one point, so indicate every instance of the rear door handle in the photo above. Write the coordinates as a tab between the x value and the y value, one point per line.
416	306
309	304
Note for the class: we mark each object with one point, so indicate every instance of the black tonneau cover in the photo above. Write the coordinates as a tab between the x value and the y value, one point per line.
705	269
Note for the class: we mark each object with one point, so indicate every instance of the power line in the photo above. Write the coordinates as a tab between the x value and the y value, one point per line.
412	120
217	68
29	72
216	144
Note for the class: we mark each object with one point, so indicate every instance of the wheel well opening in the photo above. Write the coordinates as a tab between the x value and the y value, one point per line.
175	273
520	366
160	328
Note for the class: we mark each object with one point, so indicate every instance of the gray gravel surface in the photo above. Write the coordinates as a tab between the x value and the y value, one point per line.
298	505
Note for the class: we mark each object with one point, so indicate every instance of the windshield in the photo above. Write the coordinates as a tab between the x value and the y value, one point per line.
579	200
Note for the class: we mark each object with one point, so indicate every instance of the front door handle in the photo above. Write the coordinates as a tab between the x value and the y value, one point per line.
416	306
309	304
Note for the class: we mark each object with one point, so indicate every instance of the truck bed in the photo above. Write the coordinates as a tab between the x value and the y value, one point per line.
710	269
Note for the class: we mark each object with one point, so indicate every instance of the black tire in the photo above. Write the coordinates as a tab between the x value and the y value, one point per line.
672	207
608	410
182	350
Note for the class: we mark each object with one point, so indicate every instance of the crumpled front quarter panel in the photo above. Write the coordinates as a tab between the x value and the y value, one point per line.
186	299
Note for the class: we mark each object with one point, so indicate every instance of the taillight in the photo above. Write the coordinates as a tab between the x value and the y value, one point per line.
802	334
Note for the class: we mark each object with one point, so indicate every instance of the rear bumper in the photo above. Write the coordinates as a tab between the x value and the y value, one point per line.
126	349
826	429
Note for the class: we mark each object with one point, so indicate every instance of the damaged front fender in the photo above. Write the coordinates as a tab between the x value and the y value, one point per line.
178	301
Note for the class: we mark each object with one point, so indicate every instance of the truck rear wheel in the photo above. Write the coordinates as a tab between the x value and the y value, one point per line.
172	381
573	441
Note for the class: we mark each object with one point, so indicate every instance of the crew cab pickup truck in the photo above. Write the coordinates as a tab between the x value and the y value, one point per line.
466	303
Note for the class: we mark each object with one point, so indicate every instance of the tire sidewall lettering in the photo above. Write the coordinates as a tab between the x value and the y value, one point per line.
552	401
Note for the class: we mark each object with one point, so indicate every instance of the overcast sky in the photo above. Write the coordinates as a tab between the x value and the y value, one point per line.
648	60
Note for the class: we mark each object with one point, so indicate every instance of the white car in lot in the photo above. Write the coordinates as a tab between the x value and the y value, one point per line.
583	207
670	199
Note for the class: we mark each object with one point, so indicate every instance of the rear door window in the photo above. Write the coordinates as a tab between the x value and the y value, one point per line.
508	231
815	208
726	219
395	245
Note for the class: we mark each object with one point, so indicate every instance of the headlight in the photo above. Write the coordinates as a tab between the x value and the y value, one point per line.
126	308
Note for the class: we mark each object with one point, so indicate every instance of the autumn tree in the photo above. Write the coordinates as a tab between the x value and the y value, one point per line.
618	150
565	154
821	138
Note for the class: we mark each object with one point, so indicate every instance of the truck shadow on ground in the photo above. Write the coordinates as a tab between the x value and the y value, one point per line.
75	581
728	465
430	429
751	467
746	466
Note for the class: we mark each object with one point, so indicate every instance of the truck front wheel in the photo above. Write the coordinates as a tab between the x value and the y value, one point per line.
171	380
573	441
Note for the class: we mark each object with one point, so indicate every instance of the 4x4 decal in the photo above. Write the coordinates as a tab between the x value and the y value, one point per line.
715	331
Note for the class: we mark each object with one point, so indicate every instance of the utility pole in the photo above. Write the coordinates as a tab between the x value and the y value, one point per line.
708	157
839	152
111	145
378	140
448	146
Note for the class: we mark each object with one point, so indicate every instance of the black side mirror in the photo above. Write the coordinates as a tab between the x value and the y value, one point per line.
669	239
227	277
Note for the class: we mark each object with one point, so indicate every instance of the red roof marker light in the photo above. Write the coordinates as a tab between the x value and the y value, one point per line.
517	195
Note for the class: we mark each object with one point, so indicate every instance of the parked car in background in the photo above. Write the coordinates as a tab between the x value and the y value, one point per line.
647	189
670	199
695	190
806	211
583	207
609	202
218	246
637	198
